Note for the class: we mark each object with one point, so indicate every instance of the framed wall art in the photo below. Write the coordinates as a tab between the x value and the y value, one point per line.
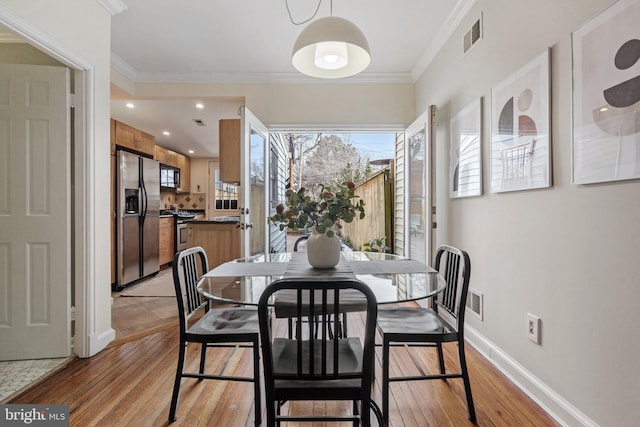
606	96
465	152
520	130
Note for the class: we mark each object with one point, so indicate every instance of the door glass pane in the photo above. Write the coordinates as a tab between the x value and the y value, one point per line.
257	215
226	195
417	197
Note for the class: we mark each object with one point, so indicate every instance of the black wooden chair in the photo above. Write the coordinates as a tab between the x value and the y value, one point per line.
300	245
220	327
417	326
323	368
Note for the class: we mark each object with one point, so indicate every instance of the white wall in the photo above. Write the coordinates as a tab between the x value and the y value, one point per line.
377	105
82	29
567	254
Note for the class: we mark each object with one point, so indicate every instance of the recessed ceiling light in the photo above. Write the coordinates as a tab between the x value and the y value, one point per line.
129	105
191	151
199	105
166	133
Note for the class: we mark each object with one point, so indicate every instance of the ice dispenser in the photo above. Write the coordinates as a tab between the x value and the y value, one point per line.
131	200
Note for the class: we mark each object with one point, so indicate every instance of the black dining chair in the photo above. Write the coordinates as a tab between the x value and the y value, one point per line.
300	245
416	326
324	368
234	327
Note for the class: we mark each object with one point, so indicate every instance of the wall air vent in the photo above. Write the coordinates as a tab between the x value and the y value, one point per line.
474	302
473	35
199	122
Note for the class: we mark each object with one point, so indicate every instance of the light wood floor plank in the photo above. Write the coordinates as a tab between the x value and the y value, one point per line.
131	384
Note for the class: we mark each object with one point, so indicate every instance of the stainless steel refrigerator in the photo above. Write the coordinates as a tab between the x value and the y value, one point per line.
138	215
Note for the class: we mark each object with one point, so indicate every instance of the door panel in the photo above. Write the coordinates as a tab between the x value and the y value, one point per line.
253	186
35	249
418	188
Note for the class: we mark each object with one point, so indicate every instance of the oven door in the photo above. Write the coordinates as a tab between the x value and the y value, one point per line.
182	232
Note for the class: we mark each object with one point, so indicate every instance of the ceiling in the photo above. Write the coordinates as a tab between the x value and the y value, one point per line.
220	41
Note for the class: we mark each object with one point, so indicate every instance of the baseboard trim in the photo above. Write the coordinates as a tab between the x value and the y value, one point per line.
549	400
98	342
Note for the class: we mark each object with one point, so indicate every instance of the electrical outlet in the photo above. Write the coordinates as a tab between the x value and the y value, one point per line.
533	328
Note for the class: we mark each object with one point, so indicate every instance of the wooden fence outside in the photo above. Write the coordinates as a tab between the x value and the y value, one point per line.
377	223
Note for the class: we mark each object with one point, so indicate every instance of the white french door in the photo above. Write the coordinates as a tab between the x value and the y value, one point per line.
35	200
253	187
419	209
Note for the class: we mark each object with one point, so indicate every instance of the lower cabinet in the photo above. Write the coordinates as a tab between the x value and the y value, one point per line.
221	242
166	240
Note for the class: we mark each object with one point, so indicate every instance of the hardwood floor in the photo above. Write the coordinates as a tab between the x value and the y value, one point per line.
135	317
130	384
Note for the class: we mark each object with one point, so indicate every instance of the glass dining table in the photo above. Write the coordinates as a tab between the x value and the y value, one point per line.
392	278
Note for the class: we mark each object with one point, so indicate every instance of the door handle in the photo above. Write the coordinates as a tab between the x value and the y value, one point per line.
250	225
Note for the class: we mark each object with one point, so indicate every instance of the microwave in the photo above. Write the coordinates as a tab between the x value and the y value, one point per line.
169	177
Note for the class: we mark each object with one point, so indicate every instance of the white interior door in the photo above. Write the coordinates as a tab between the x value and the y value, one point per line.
253	185
419	207
35	270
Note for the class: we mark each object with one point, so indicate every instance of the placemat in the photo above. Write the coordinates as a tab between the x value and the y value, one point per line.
239	269
390	267
299	268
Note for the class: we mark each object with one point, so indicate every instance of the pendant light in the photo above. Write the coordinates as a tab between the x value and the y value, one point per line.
331	48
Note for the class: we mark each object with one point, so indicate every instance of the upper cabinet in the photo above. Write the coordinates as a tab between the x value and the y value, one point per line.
177	160
185	174
134	139
230	151
166	157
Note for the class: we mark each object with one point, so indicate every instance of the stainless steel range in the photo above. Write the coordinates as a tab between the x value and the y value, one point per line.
181	219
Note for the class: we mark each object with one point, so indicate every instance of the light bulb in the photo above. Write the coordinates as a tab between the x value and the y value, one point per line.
331	55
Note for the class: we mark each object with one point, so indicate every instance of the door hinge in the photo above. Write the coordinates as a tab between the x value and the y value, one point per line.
72	100
73	313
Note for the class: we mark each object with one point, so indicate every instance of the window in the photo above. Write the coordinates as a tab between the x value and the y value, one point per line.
225	195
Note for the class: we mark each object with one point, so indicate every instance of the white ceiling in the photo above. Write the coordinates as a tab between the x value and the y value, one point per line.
251	41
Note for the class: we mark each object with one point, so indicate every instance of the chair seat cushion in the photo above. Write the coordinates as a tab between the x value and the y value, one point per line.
285	352
412	320
225	321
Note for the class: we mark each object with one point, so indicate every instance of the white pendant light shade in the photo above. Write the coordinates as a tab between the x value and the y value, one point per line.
331	48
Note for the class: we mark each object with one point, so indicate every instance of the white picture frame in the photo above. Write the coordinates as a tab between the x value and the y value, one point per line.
606	96
465	152
520	128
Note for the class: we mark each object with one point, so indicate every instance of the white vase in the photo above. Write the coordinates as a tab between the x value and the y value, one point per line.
323	252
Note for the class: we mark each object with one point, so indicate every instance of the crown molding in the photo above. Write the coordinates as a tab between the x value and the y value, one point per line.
289	78
135	76
123	67
446	30
113	6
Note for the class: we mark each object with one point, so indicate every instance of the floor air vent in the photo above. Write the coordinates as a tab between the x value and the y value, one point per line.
473	35
474	302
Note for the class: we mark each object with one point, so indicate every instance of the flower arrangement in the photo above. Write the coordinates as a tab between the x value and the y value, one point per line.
319	211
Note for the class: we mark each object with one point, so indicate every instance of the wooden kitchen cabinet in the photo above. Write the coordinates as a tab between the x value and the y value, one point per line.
185	173
166	156
134	139
221	242
166	240
230	151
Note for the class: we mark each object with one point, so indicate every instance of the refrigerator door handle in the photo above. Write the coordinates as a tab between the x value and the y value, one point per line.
145	201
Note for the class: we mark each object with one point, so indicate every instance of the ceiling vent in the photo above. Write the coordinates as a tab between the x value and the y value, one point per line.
473	35
199	122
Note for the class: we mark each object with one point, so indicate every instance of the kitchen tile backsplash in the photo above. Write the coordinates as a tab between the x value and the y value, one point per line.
195	201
